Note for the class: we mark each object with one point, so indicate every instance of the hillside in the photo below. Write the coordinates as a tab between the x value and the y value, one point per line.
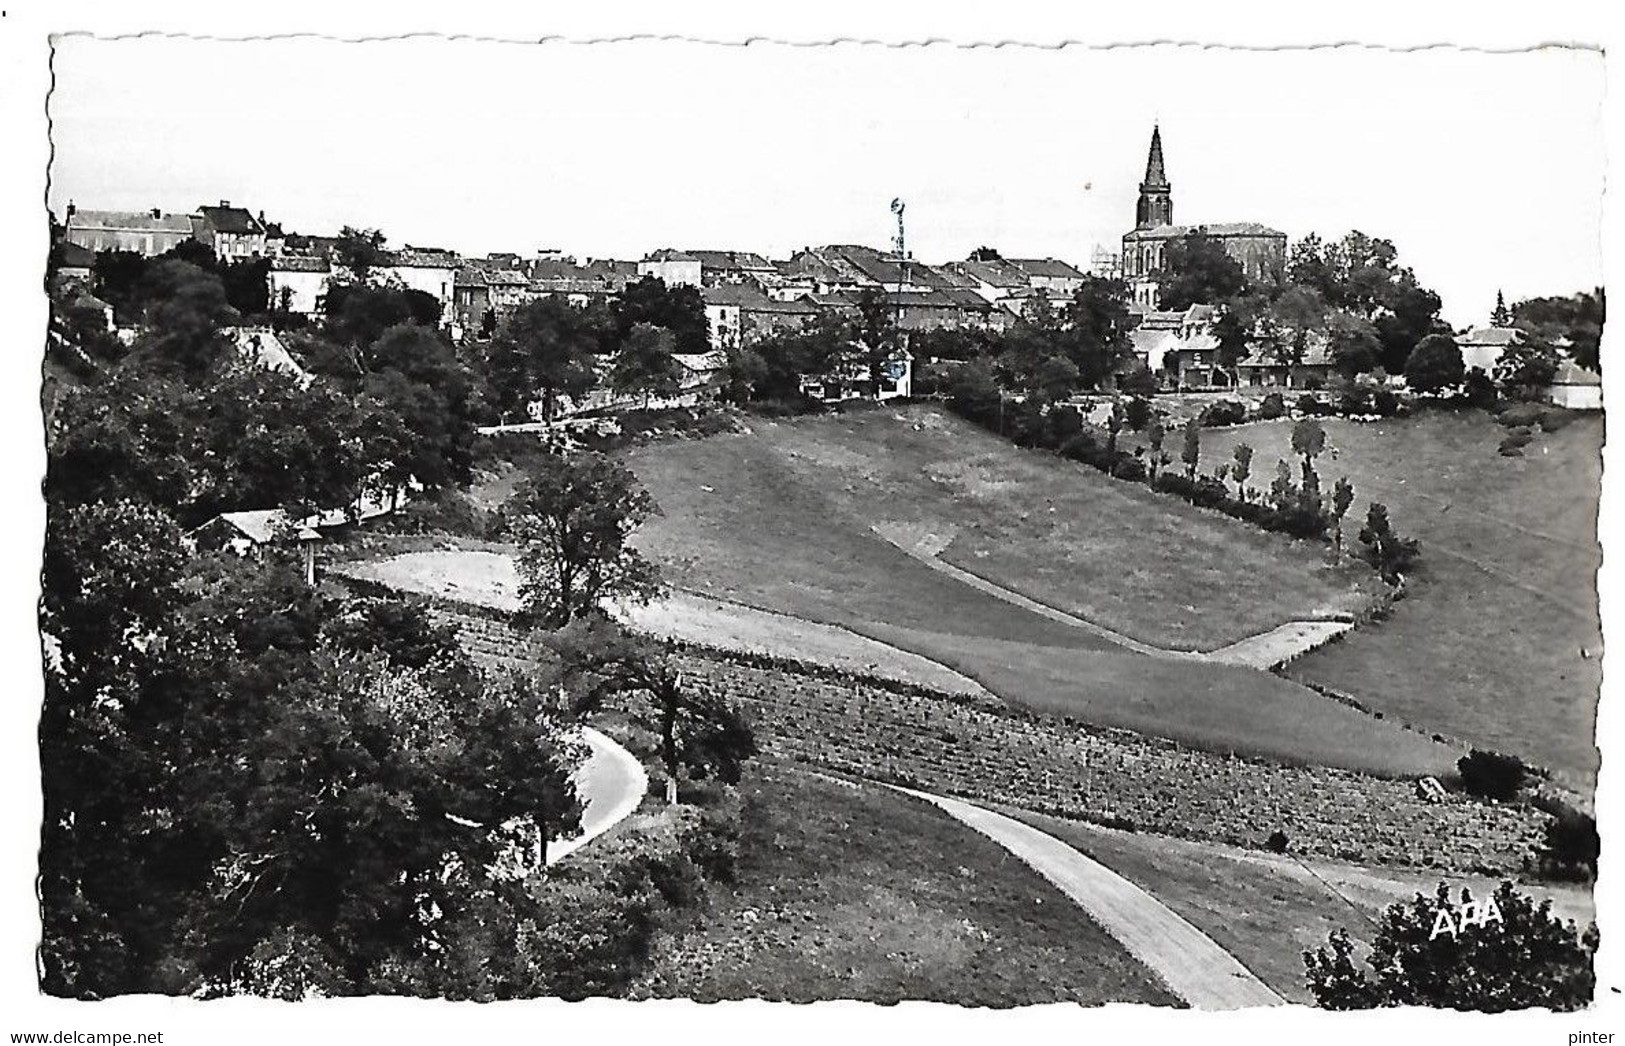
783	518
1499	641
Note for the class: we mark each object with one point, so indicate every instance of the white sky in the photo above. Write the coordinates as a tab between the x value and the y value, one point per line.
1485	169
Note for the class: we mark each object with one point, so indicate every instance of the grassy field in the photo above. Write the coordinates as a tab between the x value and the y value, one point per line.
1264	909
1499	640
780	518
870	895
1154	568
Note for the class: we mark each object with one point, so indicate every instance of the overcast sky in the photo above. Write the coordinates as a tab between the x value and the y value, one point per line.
1485	169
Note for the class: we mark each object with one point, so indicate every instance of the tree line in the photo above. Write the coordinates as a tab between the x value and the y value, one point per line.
253	785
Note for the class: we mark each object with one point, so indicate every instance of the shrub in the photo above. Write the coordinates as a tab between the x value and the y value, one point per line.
1083	447
1385	402
1137	414
1277	842
1224	412
587	939
1556	419
1354	401
1570	846
1274	406
1129	467
1385	550
1479	390
1434	364
1526	958
1521	415
1491	775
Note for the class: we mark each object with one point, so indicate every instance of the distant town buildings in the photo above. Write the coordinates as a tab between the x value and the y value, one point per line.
148	233
231	232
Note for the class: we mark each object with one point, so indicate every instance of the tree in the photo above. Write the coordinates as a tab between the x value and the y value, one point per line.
246	437
1033	355
698	731
1114	424
572	516
1353	343
1154	435
1097	318
360	251
680	310
1292	320
247	285
1575	320
1308	442
1506	953
1342	498
1199	271
182	327
1190	453
644	364
413	371
1525	369
1435	364
262	800
118	277
1361	274
1241	468
1386	551
1500	316
357	314
875	332
544	347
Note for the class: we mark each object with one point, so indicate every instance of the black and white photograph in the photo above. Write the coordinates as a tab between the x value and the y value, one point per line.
925	516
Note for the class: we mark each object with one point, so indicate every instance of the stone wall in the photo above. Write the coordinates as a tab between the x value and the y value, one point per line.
983	750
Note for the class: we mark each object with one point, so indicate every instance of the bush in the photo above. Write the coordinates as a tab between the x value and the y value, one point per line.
1556	419
1137	414
1274	406
1524	958
1385	402
1277	842
1480	391
1521	415
1224	412
1129	467
1570	846
1491	775
1354	401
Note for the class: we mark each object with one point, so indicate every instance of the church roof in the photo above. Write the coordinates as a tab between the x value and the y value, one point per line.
1216	229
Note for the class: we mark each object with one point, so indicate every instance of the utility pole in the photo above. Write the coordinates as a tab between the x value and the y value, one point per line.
897	208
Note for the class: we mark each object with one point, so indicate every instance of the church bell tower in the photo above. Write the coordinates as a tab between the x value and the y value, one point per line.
1156	206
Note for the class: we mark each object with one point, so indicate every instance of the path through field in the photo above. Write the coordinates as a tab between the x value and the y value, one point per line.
1189	961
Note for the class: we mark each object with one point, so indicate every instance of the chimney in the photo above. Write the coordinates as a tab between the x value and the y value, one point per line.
225	203
157	212
71	208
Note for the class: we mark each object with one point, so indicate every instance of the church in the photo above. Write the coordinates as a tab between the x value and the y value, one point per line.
1258	249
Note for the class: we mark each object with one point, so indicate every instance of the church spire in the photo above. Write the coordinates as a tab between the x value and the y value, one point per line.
1155	176
1156	206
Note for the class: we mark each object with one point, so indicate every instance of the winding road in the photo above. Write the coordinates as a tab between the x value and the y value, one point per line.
1189	961
611	784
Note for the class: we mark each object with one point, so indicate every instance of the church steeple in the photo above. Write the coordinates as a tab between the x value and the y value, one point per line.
1156	206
